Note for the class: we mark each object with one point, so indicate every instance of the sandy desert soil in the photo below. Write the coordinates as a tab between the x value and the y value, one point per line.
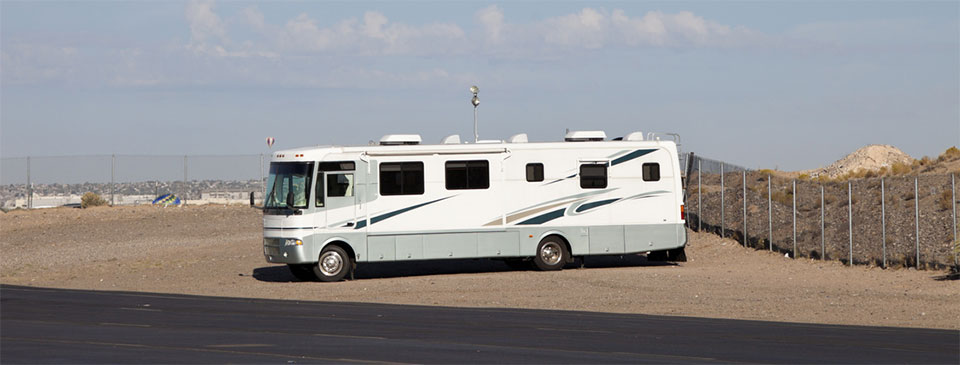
216	250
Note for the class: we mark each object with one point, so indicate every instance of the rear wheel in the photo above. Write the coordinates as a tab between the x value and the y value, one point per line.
302	272
334	264
551	254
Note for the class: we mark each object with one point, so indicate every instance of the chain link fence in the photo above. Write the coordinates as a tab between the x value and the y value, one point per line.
33	182
902	221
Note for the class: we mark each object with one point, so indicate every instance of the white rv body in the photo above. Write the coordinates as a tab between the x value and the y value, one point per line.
453	216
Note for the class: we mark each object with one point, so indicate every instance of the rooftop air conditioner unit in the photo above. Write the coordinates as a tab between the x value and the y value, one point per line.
585	136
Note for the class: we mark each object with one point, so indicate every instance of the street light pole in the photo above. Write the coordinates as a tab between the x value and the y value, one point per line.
476	102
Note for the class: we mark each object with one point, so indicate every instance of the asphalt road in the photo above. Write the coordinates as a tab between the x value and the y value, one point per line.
40	325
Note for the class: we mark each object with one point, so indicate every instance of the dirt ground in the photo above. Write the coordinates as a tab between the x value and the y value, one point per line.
216	250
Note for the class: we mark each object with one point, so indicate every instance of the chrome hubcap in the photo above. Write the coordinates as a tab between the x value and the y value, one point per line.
331	263
550	253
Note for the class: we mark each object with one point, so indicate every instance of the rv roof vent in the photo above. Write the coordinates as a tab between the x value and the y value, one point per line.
518	138
399	139
451	139
634	136
584	136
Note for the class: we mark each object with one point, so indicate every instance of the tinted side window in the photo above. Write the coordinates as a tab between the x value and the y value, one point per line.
534	172
401	178
651	171
467	175
339	185
593	176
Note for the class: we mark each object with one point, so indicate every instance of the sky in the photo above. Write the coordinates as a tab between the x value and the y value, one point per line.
779	84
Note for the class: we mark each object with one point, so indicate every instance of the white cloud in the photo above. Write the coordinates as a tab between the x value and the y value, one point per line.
254	17
245	45
375	34
491	19
205	25
597	28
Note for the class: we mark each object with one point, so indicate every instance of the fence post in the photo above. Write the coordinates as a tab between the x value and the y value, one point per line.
794	193
29	186
916	216
113	183
850	220
953	202
699	196
823	245
769	216
883	221
745	237
722	228
185	190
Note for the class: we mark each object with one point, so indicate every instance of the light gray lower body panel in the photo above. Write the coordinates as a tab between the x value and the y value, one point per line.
512	242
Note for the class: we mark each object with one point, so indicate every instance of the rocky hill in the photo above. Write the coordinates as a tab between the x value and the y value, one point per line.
869	158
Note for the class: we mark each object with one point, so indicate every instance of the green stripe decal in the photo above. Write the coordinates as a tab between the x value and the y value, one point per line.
543	218
630	156
595	204
374	220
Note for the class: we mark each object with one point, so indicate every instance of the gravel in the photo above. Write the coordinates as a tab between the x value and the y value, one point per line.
216	250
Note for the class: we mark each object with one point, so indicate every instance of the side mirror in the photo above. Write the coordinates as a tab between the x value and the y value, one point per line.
290	200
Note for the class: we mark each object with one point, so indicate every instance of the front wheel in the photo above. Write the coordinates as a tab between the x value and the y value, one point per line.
551	254
334	264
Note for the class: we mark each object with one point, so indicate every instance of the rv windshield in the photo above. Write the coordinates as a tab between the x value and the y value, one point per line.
286	177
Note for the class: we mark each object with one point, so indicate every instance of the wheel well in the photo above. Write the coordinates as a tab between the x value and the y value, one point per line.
345	247
566	244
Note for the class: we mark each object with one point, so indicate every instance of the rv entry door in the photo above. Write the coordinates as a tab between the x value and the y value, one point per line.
341	200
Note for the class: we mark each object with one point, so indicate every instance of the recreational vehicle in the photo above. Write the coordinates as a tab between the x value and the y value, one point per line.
329	208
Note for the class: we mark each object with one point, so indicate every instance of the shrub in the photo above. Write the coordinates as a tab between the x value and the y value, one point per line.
925	161
908	196
945	202
950	154
784	196
90	199
804	177
900	168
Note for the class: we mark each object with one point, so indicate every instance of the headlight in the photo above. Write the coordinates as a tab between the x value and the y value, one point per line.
292	242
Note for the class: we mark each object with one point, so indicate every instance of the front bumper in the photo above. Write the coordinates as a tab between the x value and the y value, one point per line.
274	251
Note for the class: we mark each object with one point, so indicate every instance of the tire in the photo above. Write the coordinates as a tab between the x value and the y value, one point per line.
302	272
551	254
334	264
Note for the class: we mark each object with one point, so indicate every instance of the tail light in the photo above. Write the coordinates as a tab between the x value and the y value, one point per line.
683	213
